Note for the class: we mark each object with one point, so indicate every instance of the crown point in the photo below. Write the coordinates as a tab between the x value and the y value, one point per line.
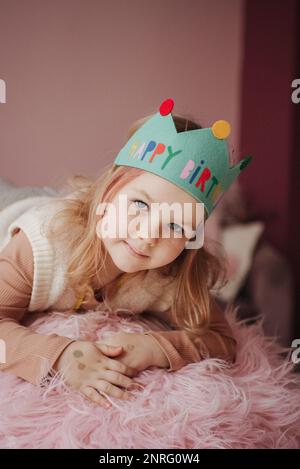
221	129
245	162
166	107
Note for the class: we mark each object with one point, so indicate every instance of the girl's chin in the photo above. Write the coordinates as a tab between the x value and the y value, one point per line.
127	262
127	268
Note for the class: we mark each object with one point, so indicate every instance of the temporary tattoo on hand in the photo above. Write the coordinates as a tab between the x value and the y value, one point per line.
77	353
129	347
81	366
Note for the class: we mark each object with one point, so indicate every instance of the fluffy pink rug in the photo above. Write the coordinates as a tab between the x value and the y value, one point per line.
254	404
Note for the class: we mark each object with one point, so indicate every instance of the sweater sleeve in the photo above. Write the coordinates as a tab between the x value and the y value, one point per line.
181	349
28	355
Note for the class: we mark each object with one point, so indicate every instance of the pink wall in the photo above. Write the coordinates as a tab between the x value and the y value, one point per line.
79	72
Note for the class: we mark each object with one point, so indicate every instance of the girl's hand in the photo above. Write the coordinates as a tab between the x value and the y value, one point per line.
89	369
140	351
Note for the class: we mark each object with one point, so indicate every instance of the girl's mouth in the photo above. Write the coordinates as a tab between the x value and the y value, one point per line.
133	252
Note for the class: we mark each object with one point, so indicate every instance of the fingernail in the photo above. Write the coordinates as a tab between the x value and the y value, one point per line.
140	384
135	386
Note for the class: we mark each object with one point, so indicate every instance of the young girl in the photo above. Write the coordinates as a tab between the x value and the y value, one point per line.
55	257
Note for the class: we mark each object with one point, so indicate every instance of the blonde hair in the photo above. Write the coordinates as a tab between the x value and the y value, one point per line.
196	271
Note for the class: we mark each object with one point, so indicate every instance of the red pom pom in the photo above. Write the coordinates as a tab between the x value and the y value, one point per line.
166	107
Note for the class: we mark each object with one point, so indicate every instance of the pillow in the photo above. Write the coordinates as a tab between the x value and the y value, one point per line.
239	242
10	193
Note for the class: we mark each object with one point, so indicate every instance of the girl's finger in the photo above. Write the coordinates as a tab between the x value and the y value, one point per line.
94	396
117	378
107	388
110	350
116	365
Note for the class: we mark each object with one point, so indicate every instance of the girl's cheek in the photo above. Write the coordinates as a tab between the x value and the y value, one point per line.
122	224
180	247
173	246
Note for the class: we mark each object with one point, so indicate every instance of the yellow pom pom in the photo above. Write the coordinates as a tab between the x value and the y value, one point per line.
221	129
79	302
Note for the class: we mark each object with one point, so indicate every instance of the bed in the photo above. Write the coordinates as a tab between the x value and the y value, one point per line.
210	404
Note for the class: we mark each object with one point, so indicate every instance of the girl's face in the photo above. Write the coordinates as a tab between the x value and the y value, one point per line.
135	215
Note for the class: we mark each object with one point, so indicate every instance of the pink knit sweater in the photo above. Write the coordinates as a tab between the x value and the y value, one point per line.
28	351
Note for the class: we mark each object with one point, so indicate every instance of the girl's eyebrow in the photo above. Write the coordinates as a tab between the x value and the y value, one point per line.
143	192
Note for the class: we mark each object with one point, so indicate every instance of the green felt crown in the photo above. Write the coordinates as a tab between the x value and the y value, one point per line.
197	160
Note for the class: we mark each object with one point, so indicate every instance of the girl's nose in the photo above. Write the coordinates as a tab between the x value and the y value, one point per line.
149	230
149	240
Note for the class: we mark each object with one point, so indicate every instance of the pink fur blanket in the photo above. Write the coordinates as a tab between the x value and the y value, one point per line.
253	404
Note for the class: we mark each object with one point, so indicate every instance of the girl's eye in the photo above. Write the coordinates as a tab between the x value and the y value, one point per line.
177	228
137	202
